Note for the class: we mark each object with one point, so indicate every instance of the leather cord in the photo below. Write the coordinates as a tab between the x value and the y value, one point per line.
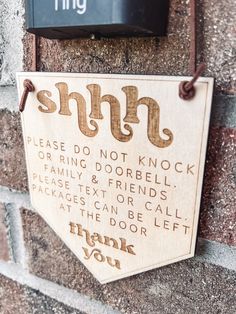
186	89
28	87
193	39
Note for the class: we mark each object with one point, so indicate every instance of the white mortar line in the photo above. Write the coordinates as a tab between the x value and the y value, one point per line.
15	234
9	98
216	253
13	200
18	198
61	294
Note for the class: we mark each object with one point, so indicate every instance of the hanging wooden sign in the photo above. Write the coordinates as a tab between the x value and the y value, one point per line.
115	166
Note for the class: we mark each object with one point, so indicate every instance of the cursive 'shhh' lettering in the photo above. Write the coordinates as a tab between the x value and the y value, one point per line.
90	128
79	5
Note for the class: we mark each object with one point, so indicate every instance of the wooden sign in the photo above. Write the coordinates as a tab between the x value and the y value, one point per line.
115	166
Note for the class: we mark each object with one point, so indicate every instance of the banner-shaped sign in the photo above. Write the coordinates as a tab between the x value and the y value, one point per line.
115	166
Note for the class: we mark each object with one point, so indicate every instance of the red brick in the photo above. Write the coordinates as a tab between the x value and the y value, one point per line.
218	210
12	297
12	157
4	249
19	299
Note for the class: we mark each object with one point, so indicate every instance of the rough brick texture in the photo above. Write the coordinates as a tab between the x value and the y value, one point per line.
15	298
4	249
12	157
218	210
185	287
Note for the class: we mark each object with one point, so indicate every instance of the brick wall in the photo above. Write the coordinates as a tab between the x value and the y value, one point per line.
37	270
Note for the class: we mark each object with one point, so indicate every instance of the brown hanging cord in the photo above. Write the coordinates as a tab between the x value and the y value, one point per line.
35	54
186	89
28	85
193	39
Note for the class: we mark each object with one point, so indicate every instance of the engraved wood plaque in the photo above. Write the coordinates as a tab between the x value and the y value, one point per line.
115	166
